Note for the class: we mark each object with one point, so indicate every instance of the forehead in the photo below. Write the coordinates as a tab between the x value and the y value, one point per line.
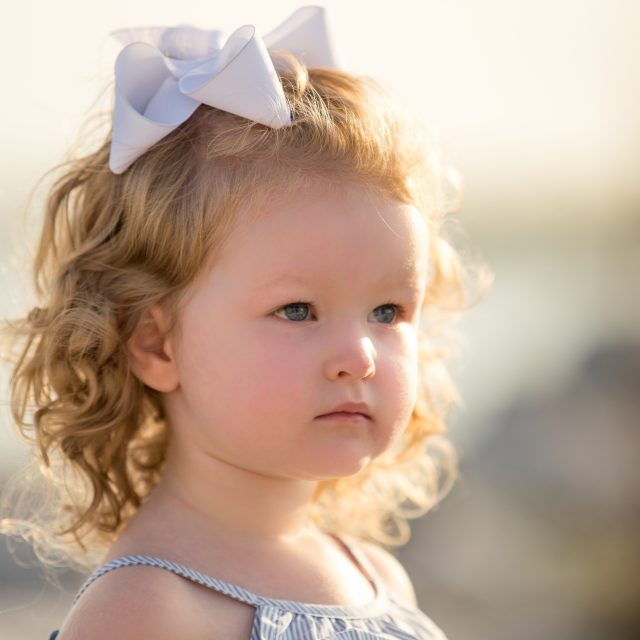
327	231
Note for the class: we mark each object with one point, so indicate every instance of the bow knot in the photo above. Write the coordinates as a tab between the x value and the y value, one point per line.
164	74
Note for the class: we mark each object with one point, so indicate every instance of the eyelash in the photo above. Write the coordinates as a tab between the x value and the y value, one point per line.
399	309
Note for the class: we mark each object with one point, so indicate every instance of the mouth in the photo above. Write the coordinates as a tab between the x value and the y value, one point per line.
345	416
350	411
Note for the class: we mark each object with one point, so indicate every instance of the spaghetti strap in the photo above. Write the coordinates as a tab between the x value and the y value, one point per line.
234	591
362	560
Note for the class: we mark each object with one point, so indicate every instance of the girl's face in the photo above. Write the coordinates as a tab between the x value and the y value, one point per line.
313	303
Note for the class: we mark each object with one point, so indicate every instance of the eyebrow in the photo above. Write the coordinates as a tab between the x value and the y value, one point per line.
283	281
412	282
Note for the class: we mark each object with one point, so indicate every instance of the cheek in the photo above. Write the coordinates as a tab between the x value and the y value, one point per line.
247	376
400	376
275	375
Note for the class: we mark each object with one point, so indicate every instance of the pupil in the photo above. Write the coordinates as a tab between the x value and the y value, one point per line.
299	311
388	312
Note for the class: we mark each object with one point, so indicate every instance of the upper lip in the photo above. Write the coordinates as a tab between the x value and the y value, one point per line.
351	407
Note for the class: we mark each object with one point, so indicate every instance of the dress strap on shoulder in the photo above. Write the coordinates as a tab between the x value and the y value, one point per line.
234	591
353	546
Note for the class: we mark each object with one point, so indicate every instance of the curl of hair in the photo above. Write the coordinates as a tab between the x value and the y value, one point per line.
113	245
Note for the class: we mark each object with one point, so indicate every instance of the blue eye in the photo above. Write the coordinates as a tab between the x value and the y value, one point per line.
390	311
295	311
299	311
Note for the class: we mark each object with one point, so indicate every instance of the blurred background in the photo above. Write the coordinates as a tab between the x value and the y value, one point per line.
539	105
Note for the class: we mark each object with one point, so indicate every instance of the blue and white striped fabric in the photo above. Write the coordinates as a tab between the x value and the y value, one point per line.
384	618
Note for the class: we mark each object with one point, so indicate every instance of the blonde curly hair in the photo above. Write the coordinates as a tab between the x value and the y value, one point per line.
113	245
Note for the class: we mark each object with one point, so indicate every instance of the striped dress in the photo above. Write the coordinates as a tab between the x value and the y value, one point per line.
384	618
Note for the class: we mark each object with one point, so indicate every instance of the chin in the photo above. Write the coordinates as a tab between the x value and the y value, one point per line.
339	466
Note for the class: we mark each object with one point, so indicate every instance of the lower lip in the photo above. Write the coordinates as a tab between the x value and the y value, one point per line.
343	416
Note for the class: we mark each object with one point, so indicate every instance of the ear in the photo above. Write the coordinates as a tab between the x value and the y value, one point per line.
151	353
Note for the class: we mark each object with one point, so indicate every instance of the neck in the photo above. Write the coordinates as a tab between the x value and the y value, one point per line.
234	505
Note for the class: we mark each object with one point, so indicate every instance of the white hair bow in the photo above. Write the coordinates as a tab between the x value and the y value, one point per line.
163	75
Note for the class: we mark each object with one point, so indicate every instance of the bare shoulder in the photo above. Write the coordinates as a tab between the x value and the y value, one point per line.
389	568
146	602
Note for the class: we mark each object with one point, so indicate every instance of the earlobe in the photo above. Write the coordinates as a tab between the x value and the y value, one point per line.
150	351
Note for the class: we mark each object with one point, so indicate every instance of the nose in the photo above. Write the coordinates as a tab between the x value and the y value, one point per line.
352	355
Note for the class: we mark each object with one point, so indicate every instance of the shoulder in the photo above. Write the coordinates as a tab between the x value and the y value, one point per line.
391	571
146	602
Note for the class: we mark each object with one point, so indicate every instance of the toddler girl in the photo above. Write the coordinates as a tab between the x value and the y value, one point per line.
234	373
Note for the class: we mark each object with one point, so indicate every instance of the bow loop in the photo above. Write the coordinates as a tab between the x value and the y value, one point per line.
306	34
164	74
188	43
183	42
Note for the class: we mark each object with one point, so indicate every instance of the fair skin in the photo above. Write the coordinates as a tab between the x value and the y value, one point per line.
299	313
